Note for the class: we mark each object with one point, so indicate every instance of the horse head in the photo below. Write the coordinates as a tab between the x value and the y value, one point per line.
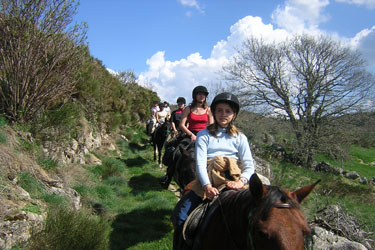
277	221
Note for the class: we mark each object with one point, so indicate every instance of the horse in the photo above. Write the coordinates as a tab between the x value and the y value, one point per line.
159	138
179	157
260	217
184	172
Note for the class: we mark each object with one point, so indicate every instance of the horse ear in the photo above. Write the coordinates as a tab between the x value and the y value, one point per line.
256	186
301	194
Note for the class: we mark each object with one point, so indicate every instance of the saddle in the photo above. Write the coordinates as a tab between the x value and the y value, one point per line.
193	221
195	218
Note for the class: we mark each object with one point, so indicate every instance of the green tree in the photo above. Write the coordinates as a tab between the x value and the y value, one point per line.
40	55
306	80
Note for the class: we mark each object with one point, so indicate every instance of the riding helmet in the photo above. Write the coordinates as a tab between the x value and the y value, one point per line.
181	100
199	89
229	98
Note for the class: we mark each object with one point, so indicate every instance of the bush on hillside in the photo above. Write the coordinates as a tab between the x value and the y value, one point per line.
40	55
68	229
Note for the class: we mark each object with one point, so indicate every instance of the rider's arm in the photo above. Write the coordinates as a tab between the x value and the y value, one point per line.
201	146
157	117
182	125
210	117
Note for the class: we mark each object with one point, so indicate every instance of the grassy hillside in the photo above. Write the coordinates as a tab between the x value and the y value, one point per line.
125	193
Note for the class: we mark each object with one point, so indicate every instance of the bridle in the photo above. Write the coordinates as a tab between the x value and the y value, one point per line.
250	219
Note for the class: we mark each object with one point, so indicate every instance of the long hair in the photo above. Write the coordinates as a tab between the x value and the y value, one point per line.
231	129
194	103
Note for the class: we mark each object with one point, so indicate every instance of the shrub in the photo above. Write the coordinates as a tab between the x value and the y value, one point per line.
30	184
3	138
68	229
112	167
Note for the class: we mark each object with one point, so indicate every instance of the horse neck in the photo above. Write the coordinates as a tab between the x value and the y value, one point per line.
238	202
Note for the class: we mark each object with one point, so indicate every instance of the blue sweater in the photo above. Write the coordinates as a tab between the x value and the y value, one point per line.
207	146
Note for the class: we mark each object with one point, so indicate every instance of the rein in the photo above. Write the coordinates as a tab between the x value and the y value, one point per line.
250	218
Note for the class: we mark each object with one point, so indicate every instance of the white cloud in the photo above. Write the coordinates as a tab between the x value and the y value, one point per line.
299	15
364	41
368	3
178	78
171	79
191	3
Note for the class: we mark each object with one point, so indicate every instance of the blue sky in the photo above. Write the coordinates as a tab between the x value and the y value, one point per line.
174	45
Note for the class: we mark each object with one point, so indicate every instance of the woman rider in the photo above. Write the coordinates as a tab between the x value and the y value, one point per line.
197	115
221	140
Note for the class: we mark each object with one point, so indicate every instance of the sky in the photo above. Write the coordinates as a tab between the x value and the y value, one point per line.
175	45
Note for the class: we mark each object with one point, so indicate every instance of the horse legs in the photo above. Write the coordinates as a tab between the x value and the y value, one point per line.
155	152
160	148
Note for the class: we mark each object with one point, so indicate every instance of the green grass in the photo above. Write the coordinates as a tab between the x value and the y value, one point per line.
356	199
3	138
128	189
68	229
362	161
48	164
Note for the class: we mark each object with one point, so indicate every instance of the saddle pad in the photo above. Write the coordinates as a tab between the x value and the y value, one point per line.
192	222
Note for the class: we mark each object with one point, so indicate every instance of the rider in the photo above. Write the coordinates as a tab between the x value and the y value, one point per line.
198	114
154	110
167	108
177	114
221	140
161	115
171	146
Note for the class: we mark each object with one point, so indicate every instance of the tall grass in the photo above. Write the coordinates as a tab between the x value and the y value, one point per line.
68	229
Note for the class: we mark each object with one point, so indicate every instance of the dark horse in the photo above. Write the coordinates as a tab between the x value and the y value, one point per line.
185	166
260	217
159	137
180	161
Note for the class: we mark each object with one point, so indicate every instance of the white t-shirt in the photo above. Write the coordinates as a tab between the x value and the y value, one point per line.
162	115
154	110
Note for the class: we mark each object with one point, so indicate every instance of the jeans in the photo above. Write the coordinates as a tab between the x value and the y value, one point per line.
183	208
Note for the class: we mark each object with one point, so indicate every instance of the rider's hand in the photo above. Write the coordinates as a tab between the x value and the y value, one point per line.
235	184
175	132
193	137
210	192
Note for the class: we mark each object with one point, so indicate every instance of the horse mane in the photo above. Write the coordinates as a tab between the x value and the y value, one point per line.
274	195
243	200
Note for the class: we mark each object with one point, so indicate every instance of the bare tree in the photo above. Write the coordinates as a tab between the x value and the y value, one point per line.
41	52
306	80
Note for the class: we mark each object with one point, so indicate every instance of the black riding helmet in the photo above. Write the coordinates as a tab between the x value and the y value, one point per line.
229	98
181	100
199	89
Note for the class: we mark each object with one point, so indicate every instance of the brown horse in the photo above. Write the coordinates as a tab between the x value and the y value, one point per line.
159	138
260	217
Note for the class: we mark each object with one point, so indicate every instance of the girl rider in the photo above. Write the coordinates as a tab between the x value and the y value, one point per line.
197	115
220	140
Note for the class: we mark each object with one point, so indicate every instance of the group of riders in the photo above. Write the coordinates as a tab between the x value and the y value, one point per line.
222	153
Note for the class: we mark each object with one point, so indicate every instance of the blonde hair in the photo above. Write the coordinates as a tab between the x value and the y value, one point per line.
231	129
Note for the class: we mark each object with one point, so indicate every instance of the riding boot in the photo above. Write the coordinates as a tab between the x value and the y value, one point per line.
165	182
